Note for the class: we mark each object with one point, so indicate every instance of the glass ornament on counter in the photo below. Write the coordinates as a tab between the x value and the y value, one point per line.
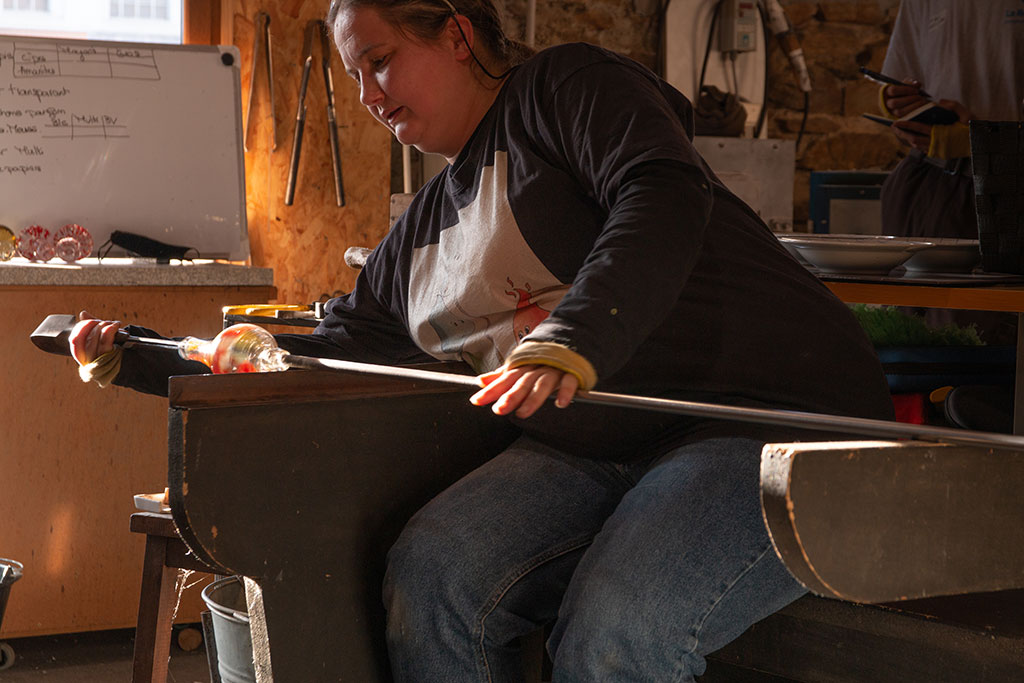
67	249
8	243
76	240
240	348
35	244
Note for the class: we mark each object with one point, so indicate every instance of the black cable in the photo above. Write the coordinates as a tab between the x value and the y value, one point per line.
100	254
803	121
735	78
707	48
661	48
455	12
764	97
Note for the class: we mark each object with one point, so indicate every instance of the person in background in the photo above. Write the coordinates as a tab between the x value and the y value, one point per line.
970	57
575	240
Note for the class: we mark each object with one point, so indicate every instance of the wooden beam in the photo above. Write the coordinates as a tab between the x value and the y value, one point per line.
1001	298
207	22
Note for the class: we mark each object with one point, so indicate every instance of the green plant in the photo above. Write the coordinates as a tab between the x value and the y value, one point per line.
888	326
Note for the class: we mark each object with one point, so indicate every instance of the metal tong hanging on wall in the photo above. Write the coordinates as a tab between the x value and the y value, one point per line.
262	35
313	28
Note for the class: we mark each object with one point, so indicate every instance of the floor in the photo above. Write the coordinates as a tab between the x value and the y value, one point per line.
98	657
106	657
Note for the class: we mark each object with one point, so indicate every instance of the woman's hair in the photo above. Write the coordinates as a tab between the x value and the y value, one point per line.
426	19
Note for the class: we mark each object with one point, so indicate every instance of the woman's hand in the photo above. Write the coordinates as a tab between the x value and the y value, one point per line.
91	338
524	389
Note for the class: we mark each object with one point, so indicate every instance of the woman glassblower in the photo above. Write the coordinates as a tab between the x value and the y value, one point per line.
576	239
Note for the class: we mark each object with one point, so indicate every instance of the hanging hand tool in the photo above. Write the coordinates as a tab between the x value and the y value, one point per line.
314	27
262	35
52	336
332	123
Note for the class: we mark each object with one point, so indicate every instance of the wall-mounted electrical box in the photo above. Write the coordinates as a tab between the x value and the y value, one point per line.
738	26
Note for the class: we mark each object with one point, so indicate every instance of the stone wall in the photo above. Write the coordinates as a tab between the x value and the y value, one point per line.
838	37
629	27
305	243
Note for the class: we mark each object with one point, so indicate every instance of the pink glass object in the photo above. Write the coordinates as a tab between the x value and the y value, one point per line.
240	348
67	249
35	244
82	240
45	251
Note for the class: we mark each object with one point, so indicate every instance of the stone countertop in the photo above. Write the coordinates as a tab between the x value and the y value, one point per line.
132	272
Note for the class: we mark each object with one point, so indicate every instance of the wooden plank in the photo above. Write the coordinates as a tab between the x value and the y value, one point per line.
995	298
879	521
153	524
305	243
300	386
202	22
175	552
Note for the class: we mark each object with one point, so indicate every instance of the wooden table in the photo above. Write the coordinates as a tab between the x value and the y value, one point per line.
1001	298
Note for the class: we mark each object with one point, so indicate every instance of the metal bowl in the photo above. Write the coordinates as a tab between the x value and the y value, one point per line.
946	255
854	254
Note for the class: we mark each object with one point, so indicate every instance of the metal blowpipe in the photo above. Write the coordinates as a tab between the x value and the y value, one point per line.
250	348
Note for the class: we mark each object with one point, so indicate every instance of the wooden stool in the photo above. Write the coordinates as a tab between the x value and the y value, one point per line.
165	554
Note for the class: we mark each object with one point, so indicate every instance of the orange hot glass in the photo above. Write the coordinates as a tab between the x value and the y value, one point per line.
240	348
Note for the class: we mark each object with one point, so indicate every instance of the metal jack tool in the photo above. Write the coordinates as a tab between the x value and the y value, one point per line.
262	35
314	27
52	336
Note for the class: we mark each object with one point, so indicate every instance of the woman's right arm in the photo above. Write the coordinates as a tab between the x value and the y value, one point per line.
144	369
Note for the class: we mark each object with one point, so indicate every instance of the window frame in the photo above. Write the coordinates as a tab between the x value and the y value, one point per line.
33	8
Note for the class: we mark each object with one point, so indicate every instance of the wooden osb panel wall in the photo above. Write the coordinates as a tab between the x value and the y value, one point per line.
305	243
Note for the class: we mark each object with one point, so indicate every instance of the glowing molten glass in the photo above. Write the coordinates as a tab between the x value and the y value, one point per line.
240	348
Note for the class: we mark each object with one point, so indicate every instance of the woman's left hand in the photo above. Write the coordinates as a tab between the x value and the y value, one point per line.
524	389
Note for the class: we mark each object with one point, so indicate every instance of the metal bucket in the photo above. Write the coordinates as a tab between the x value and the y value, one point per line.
233	643
10	571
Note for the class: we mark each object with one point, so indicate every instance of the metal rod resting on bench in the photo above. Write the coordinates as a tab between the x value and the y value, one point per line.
774	416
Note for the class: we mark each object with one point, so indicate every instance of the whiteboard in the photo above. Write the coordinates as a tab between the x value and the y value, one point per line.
142	138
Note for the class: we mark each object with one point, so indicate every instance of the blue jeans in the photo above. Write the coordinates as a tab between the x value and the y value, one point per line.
643	569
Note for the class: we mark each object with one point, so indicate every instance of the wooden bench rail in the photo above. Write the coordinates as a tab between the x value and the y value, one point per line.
878	522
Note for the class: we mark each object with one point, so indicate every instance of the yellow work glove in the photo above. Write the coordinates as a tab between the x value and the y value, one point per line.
950	142
556	356
103	369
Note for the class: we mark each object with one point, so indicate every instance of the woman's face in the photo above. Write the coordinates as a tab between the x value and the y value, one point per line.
411	86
